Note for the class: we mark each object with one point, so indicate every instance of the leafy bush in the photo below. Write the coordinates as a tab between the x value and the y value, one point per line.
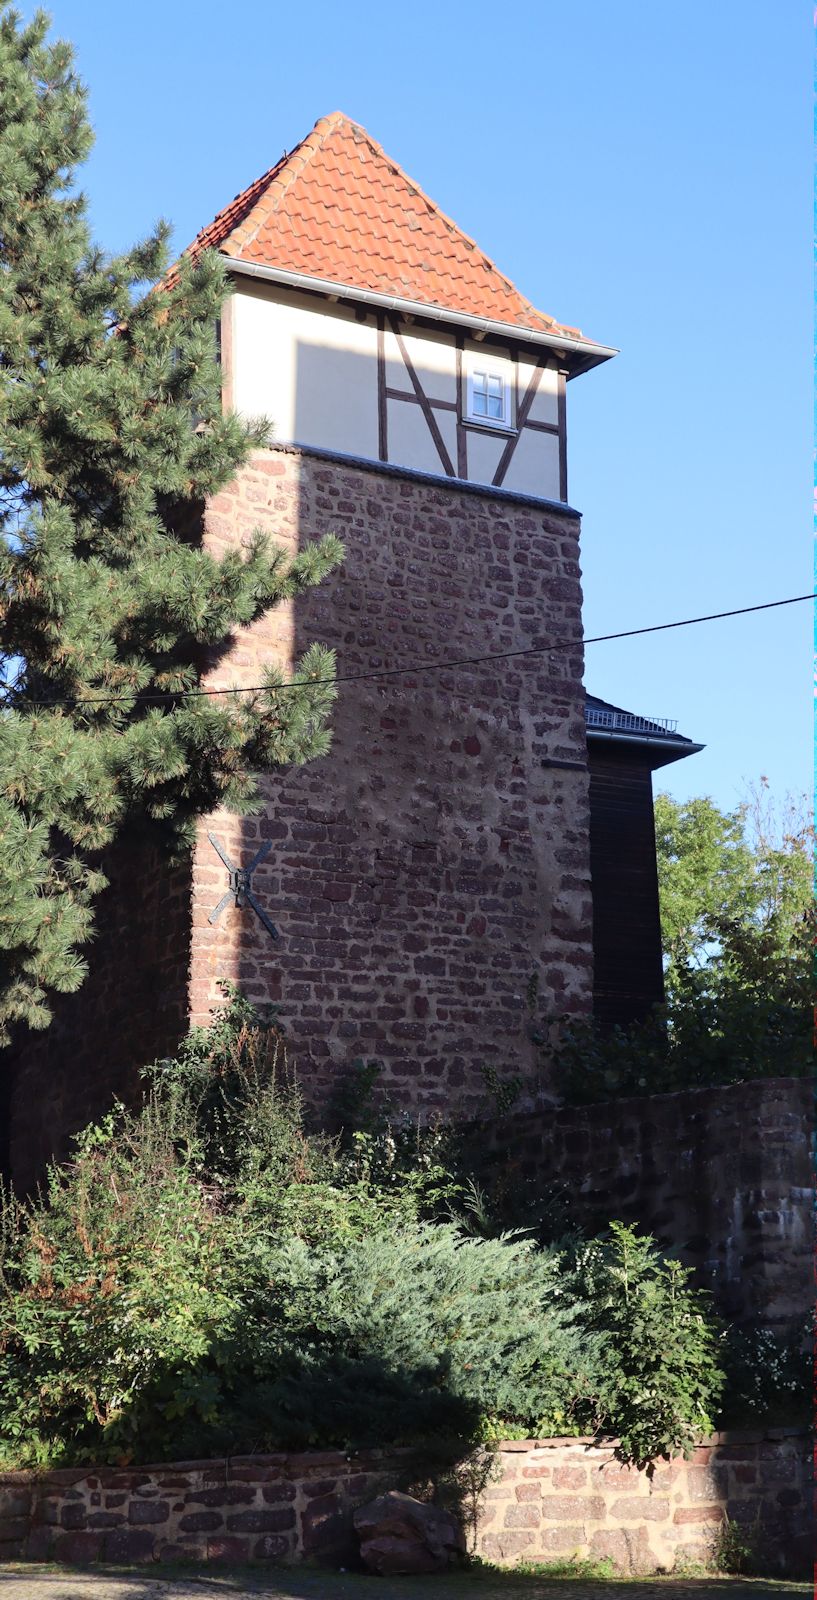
208	1276
701	1040
768	1378
738	923
656	1344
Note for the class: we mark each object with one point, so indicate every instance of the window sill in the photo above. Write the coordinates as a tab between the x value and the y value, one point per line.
504	429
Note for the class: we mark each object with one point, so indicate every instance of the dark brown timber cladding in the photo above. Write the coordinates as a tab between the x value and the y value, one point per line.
131	1009
626	924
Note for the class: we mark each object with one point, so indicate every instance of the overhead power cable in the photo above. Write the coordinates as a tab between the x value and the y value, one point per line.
414	667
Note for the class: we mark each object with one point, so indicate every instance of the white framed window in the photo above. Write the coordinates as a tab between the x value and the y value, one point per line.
488	396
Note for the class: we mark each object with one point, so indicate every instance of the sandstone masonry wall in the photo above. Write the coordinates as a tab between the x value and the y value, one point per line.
722	1177
546	1500
419	873
435	859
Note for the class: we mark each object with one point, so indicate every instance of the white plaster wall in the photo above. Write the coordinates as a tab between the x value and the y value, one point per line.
434	360
311	367
545	406
314	373
535	462
410	441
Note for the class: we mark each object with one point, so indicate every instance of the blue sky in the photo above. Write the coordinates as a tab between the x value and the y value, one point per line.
639	170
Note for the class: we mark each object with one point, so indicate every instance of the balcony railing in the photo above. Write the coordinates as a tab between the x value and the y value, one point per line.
625	722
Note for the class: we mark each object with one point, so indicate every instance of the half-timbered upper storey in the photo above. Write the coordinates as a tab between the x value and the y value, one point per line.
365	322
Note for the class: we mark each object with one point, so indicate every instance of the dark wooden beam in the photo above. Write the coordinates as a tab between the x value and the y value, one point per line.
416	385
411	399
521	418
382	408
462	445
543	427
561	396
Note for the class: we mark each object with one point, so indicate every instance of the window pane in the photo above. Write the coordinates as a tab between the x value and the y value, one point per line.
495	386
495	405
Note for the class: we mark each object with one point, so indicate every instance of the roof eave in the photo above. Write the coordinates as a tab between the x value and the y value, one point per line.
580	354
666	749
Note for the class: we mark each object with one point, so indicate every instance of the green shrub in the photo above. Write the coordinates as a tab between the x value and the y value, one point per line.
208	1276
656	1345
768	1377
114	1276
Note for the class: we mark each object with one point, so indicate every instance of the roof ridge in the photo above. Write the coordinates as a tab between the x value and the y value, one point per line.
291	167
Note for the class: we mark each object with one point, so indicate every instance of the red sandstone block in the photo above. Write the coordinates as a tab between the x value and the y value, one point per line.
39	1544
77	1548
272	1547
501	1546
618	1546
654	1509
15	1502
570	1539
280	1493
560	1508
227	1494
145	1511
706	1483
664	1477
13	1530
711	1513
569	1477
517	1516
200	1522
528	1491
262	1521
228	1548
73	1516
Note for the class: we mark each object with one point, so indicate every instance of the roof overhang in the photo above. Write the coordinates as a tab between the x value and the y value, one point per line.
657	750
578	354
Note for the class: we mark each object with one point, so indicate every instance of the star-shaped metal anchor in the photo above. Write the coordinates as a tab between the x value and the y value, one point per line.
240	880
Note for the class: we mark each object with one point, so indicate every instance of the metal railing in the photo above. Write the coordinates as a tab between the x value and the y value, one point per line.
627	723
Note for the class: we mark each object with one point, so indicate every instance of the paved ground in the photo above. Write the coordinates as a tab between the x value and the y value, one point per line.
48	1583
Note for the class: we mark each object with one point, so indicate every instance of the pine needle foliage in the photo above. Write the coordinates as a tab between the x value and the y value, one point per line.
111	434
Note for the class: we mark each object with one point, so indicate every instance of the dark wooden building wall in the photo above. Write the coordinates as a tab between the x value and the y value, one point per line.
626	924
131	1009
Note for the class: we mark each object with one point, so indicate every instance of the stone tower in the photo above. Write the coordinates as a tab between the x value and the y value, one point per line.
438	858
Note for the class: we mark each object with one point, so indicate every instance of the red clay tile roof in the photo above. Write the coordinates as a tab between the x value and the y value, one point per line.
339	209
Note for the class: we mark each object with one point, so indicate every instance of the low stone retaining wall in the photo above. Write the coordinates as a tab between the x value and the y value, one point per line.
557	1498
544	1500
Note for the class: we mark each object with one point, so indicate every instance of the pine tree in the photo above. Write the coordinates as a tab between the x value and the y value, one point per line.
110	426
